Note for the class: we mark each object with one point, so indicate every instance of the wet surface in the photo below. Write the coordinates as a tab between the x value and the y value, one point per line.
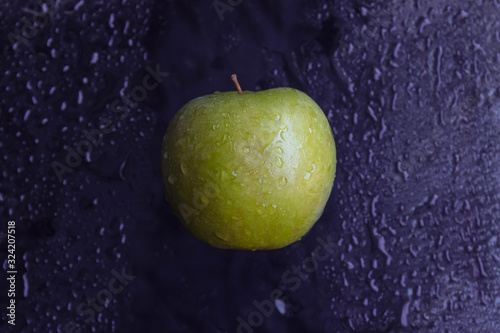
409	238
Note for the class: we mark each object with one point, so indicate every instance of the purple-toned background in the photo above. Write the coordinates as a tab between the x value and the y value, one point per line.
411	89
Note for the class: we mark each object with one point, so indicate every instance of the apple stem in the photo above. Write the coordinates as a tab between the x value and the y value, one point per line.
236	83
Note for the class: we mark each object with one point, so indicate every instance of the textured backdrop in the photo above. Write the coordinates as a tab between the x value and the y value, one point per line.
411	89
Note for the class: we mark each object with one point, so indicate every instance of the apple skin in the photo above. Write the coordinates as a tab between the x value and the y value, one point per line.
250	171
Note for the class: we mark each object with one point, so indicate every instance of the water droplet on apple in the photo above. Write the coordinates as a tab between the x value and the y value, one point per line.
172	179
214	127
234	173
283	181
203	199
278	150
278	161
183	169
278	117
281	134
221	235
246	150
182	141
308	174
225	138
272	210
202	108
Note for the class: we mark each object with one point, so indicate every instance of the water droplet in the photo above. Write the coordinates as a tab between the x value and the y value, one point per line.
280	305
281	134
246	150
172	178
184	169
278	161
310	172
26	285
181	142
234	173
283	181
203	199
202	108
272	210
222	235
165	155
278	150
225	138
214	127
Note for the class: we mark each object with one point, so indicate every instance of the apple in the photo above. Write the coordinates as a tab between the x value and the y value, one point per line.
249	170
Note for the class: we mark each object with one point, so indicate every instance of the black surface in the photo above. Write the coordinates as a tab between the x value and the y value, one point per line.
412	93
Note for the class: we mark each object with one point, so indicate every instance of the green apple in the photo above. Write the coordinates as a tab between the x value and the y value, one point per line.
249	170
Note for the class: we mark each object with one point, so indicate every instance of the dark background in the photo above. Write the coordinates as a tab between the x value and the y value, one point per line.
411	89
